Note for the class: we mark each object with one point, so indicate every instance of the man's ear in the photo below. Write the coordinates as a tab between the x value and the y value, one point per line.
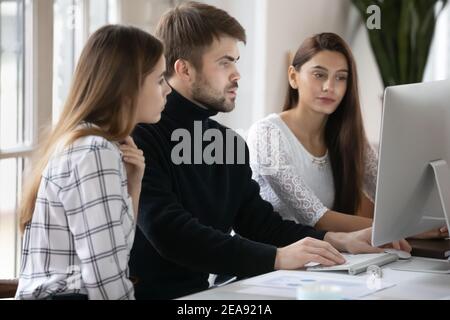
292	74
184	70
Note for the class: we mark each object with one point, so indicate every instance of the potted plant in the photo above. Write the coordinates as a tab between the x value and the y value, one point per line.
402	44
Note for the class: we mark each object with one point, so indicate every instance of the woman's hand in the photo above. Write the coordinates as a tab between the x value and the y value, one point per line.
135	166
360	242
440	233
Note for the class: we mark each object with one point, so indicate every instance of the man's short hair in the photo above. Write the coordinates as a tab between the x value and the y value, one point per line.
190	28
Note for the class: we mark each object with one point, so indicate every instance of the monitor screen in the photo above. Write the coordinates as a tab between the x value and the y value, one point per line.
415	134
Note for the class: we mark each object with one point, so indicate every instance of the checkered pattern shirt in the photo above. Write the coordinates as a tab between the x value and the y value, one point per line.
82	230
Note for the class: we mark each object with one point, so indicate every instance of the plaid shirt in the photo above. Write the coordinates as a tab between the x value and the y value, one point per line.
82	230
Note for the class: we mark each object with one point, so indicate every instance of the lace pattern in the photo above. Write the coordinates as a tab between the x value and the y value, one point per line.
370	172
281	183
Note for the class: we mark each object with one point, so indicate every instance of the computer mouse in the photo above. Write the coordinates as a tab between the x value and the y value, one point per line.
401	254
312	264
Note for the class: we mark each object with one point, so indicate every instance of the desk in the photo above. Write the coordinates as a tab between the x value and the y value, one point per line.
409	286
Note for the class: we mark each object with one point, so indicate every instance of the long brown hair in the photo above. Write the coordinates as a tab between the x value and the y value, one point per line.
106	83
344	132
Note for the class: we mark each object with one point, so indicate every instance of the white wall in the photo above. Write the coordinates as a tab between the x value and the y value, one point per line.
143	13
246	12
370	83
438	67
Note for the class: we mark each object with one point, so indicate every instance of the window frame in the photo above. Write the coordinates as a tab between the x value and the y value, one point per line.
37	89
79	33
36	76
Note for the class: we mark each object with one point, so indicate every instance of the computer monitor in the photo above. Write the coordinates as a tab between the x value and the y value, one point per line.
413	186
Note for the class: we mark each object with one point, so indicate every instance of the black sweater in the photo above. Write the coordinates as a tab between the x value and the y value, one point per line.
187	211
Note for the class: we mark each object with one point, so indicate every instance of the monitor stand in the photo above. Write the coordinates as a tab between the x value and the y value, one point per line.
442	178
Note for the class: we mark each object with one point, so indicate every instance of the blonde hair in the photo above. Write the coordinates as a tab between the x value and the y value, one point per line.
106	83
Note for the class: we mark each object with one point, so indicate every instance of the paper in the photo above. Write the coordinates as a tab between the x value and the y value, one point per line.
293	284
270	292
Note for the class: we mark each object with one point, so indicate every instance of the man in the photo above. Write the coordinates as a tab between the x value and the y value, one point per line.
189	207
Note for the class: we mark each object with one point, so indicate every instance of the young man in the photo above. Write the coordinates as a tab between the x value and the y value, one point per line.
188	207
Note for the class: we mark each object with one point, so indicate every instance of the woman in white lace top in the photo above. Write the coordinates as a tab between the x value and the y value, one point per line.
313	161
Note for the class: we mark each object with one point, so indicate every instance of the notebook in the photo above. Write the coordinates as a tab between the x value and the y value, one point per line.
358	263
437	249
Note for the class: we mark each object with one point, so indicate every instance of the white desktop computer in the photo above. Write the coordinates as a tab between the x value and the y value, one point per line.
413	186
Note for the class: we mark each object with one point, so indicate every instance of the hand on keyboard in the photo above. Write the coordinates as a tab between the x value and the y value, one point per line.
305	251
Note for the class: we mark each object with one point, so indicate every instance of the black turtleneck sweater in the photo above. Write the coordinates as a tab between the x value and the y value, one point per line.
187	211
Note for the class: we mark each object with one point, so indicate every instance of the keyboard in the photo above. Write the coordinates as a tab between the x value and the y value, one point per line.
356	264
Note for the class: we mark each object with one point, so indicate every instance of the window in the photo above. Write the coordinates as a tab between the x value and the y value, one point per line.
102	12
14	137
26	89
439	62
74	21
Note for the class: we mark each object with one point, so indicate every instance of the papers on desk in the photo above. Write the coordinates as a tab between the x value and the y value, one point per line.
313	285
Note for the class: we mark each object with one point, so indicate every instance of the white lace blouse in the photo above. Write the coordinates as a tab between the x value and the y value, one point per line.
299	185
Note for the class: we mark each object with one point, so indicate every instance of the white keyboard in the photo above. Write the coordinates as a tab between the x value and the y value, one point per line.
357	263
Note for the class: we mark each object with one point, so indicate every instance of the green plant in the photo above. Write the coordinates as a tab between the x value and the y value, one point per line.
402	45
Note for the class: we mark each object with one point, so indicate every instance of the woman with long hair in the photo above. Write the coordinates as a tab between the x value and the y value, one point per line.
79	208
313	161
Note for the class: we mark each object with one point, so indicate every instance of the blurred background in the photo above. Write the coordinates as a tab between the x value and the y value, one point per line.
40	41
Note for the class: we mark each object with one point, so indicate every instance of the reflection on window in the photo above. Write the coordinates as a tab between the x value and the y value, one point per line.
74	21
11	129
102	12
10	187
11	67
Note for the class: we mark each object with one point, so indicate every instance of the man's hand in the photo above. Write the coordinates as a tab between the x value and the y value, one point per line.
307	250
440	233
360	242
326	253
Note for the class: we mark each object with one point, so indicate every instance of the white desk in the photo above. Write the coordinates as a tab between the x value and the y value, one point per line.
409	286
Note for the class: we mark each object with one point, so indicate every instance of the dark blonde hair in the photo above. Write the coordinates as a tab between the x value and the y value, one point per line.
107	80
344	132
188	29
